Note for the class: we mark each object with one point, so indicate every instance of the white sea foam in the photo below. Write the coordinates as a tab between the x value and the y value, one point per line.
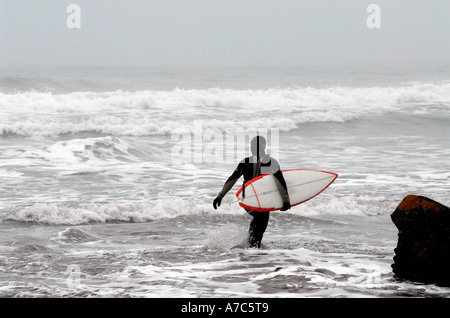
133	211
172	207
9	174
101	149
151	112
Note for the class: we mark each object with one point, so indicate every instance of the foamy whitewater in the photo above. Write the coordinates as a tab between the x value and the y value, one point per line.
98	201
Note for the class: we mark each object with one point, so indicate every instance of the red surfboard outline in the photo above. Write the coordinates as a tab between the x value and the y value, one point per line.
270	209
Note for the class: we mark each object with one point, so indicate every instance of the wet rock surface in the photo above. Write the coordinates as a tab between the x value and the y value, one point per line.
423	252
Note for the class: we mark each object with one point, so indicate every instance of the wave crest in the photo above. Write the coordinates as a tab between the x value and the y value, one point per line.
151	112
173	207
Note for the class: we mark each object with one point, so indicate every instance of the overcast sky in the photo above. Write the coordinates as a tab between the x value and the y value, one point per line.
223	32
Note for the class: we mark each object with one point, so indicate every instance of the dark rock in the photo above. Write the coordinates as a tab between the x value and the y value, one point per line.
423	248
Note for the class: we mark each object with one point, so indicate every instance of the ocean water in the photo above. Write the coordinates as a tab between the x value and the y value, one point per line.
108	178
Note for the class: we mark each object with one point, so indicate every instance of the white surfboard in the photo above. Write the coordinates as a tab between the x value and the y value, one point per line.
261	193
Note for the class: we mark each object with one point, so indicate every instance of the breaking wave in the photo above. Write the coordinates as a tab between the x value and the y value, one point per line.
152	112
69	213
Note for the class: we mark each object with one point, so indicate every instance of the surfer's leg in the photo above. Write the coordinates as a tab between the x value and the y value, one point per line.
257	228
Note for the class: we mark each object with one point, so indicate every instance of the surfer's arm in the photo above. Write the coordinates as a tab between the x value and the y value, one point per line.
275	169
231	181
228	184
282	187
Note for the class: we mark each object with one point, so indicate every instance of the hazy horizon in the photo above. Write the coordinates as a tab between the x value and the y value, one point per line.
223	33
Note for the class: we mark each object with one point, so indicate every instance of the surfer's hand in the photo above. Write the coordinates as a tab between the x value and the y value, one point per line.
216	202
286	206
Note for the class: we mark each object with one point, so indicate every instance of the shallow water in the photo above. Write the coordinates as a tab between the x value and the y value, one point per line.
97	200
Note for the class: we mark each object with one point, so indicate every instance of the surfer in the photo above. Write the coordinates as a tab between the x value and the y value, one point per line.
251	167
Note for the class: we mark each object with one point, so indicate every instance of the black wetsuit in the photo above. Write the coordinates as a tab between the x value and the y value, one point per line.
250	168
